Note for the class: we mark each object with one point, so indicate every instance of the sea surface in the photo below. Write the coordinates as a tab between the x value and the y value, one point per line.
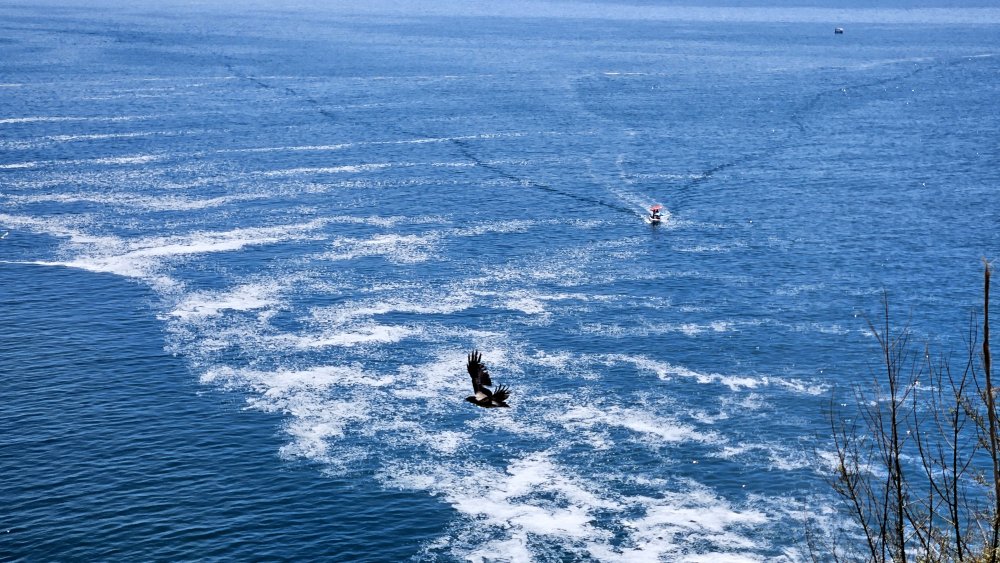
245	251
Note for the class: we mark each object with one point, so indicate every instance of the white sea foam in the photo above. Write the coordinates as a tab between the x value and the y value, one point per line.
645	425
54	139
354	144
535	500
148	203
526	304
145	257
501	227
671	521
246	297
358	334
666	371
210	241
67	226
533	302
776	457
406	249
44	119
101	136
345	169
822	328
514	499
430	303
285	382
372	167
642	328
137	159
387	221
297	148
720	248
314	418
114	160
526	505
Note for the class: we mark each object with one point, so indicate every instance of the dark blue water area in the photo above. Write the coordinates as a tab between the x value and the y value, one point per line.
244	253
112	452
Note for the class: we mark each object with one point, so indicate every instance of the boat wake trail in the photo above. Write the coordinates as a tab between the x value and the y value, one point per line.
464	148
466	151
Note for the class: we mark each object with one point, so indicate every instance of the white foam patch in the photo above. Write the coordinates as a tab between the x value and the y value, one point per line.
297	148
526	304
719	248
353	144
507	501
286	382
303	395
372	167
145	257
247	297
406	249
97	136
777	456
735	383
797	289
69	227
533	302
132	201
54	139
447	442
501	227
134	258
345	169
644	328
822	328
135	159
678	520
111	160
53	119
386	221
430	303
526	507
358	334
644	424
557	360
327	403
535	501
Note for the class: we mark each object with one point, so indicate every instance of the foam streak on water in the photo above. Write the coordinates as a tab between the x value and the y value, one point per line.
331	211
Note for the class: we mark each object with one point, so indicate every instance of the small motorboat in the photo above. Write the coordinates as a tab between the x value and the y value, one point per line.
654	217
838	31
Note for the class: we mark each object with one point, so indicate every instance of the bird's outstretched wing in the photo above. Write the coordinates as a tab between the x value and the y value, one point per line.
480	376
501	394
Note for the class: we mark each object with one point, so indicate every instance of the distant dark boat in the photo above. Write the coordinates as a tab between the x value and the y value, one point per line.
838	31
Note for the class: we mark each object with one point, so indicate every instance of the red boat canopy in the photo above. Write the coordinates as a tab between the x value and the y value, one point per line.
656	207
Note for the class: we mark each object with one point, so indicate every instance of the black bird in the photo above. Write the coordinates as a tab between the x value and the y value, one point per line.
481	383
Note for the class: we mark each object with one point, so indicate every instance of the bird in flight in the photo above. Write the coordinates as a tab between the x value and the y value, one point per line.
481	384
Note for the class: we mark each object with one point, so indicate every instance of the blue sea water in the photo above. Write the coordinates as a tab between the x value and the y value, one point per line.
244	252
